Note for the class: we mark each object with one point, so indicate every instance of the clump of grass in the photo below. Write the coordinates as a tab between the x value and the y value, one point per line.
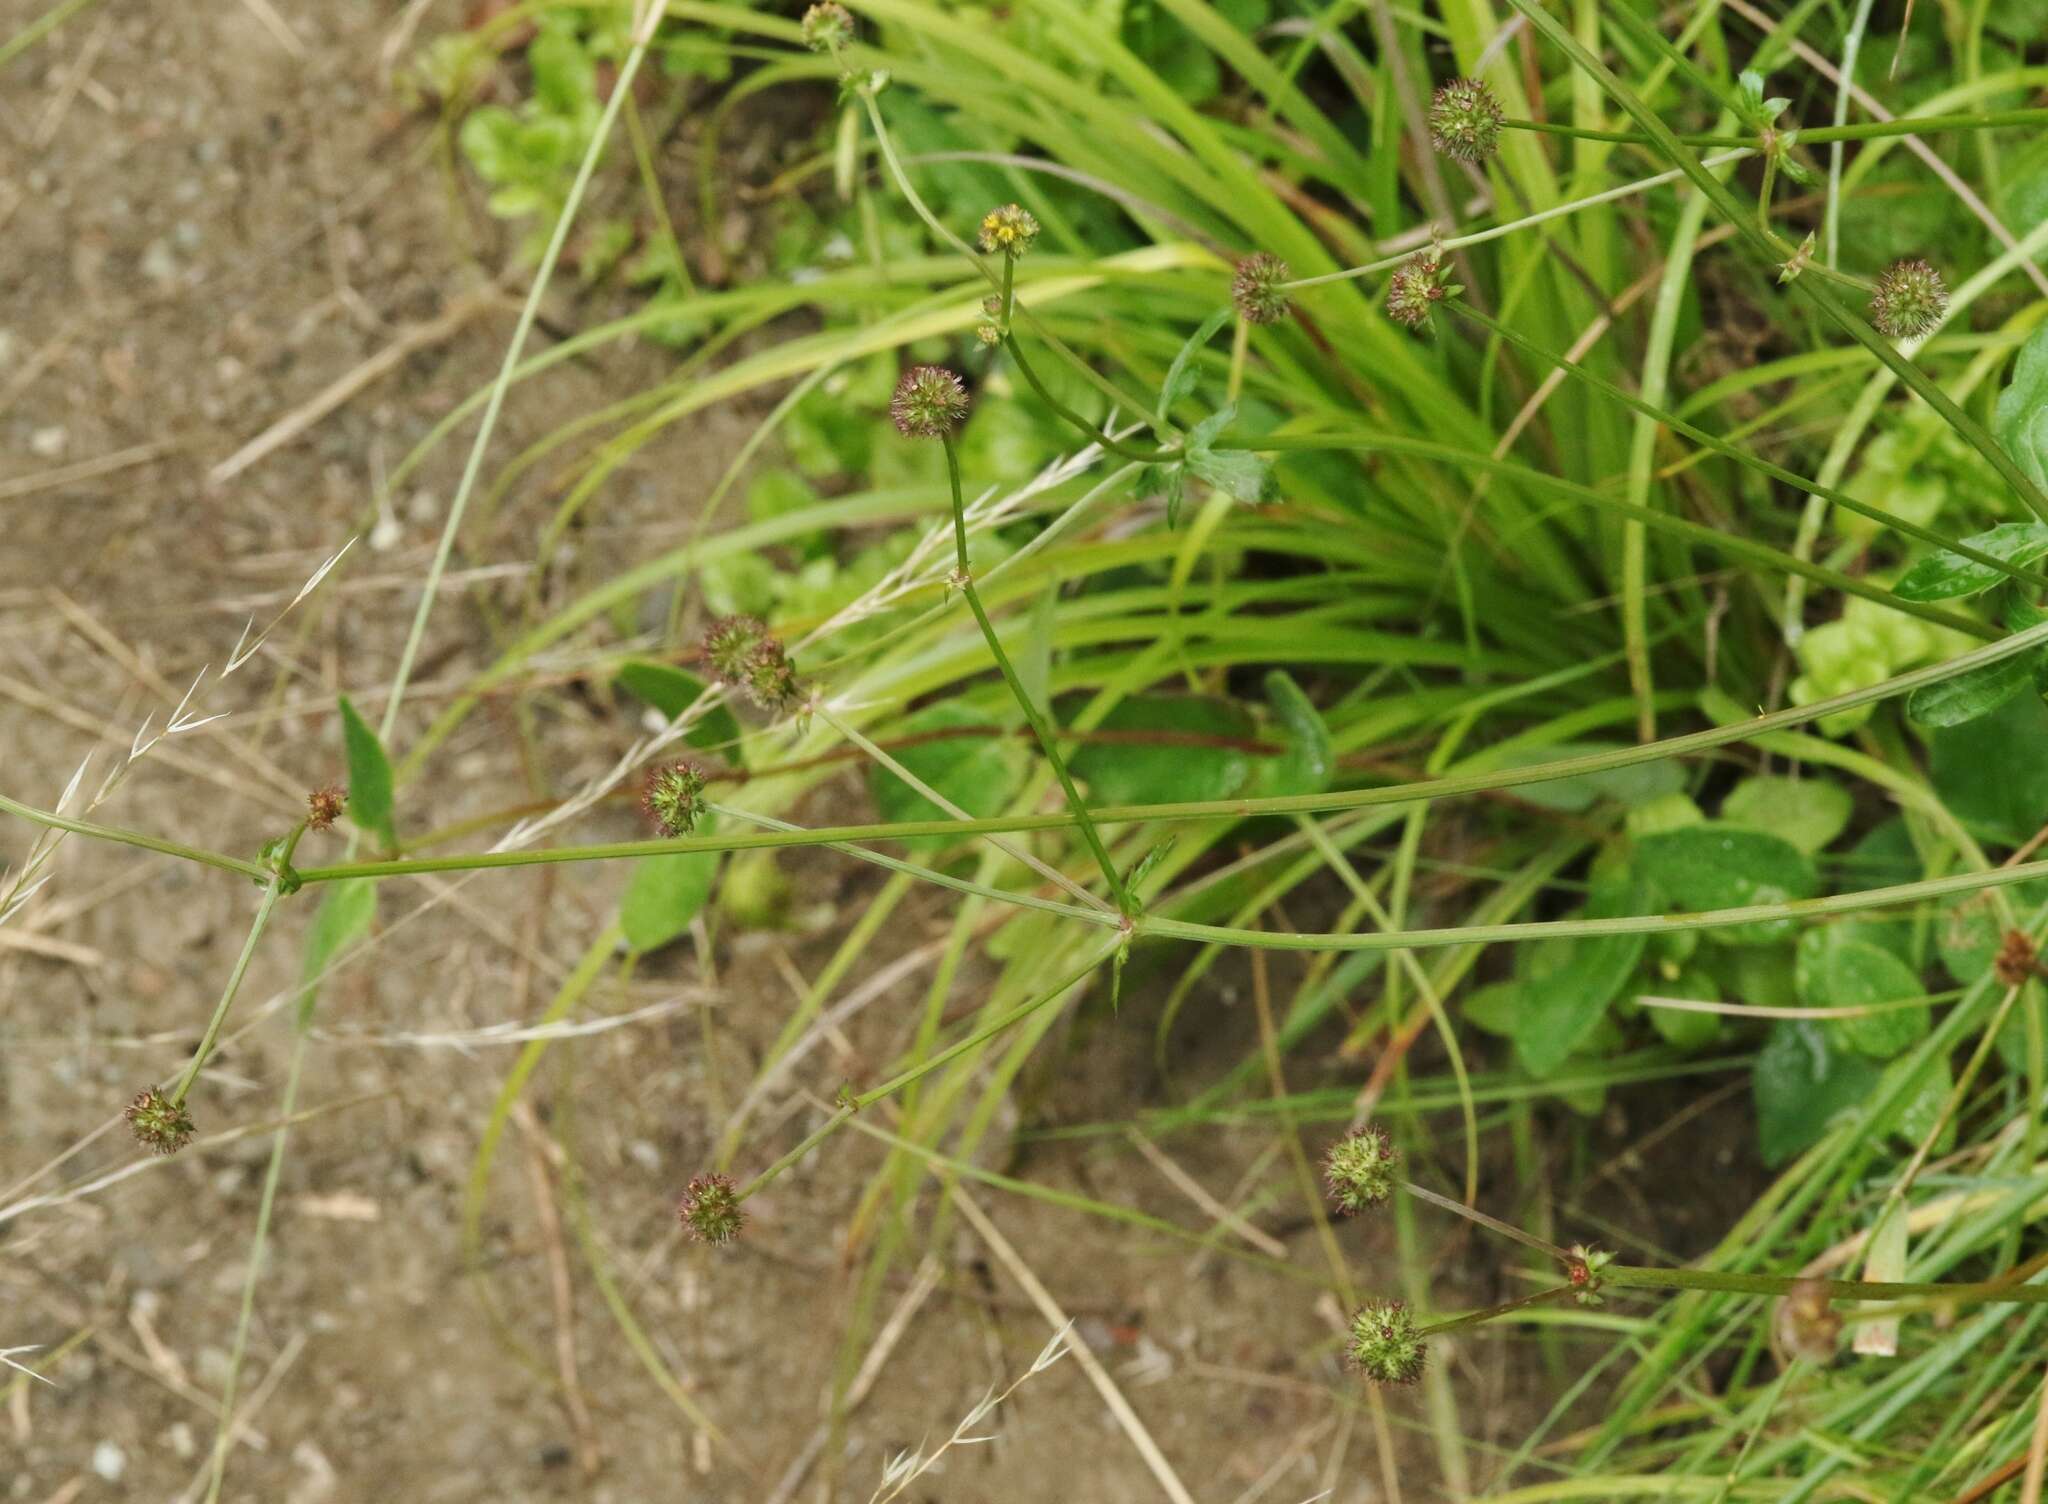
1489	572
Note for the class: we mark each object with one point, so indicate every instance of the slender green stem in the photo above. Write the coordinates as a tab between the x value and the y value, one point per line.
1771	249
1735	452
1495	232
1449	787
528	315
1874	130
1040	726
1491	1224
1096	434
1493	1313
227	996
136	838
1977	1292
1632	138
917	1072
273	1172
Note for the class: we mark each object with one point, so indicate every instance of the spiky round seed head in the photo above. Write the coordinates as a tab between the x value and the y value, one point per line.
1359	1170
827	27
710	1209
769	678
159	1123
1417	286
2017	961
727	642
1009	229
1910	299
930	403
1464	120
674	798
1383	1343
1255	288
324	807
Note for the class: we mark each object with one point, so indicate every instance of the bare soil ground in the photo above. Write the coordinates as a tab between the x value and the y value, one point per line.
213	212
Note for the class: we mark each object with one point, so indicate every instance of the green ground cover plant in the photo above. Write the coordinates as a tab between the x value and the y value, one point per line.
1556	492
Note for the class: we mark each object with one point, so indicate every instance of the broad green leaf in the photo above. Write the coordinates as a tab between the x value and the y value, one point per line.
1237	472
1992	772
1944	576
346	912
1973	694
1968	935
1306	765
1181	375
1493	1008
1721	866
671	691
663	895
1802	1080
1808	812
1182	757
1884	858
2021	421
1628	787
1836	968
1664	812
970	759
369	778
1560	1007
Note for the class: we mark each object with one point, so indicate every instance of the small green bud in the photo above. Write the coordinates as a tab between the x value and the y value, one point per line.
160	1124
710	1209
1009	229
1359	1170
674	798
1383	1343
930	403
1464	120
827	27
1255	288
1910	299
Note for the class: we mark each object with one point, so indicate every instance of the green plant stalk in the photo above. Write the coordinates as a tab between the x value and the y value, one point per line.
1453	786
529	313
1494	1313
1099	915
917	1072
938	228
1904	125
1039	725
1772	250
1706	440
135	838
1095	434
227	996
1496	232
223	1440
1975	1292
